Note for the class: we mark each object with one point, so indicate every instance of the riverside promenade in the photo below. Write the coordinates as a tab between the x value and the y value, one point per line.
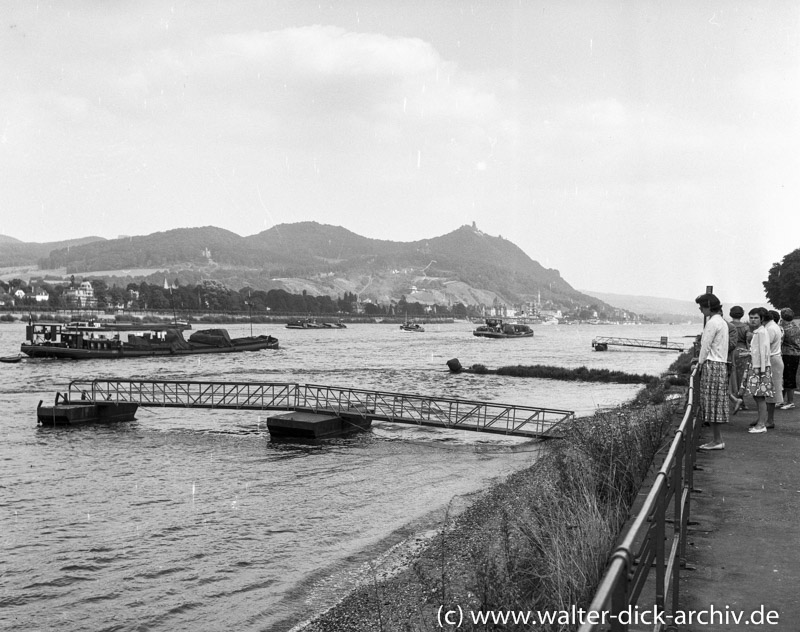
745	546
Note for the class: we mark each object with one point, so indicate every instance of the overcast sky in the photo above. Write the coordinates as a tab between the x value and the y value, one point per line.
638	147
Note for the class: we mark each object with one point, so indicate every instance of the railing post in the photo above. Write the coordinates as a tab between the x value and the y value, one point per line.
619	597
659	526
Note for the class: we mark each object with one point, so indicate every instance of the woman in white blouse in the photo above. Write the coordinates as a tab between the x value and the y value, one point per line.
776	362
713	361
759	383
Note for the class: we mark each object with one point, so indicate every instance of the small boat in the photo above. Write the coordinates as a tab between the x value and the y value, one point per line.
337	325
304	323
496	328
10	359
84	343
411	326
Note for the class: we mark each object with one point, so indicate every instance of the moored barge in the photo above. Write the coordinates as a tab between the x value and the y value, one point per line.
83	343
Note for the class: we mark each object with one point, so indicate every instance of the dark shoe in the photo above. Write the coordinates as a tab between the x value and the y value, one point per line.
770	427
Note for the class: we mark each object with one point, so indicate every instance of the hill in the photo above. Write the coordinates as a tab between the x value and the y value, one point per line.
664	309
652	305
14	252
466	265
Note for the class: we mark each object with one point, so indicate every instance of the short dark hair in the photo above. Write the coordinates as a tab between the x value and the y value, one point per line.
710	301
762	312
737	311
774	315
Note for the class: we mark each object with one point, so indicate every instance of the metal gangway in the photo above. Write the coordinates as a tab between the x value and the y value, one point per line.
601	343
525	421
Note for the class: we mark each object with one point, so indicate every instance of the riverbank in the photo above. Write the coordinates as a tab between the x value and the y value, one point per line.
538	540
219	318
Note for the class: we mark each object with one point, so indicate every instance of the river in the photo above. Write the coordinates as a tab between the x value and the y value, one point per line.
196	521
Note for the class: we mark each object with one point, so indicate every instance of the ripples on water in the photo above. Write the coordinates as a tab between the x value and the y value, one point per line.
194	520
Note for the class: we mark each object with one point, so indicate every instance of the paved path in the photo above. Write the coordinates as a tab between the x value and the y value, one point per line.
746	547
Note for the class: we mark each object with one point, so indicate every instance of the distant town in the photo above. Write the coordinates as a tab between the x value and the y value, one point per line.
95	295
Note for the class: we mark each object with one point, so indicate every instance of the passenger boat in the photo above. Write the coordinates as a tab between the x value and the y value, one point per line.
496	328
83	343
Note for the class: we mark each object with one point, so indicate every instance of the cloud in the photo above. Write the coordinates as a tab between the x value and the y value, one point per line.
328	51
316	72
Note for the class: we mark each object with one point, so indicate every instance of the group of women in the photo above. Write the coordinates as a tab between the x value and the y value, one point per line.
736	358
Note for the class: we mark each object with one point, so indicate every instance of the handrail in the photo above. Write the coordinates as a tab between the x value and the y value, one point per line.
448	412
647	547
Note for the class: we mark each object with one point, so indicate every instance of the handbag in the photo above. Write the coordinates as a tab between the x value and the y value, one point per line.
759	384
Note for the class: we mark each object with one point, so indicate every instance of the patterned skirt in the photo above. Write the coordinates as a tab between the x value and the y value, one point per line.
714	392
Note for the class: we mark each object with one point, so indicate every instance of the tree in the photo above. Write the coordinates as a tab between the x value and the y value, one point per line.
116	296
782	286
100	288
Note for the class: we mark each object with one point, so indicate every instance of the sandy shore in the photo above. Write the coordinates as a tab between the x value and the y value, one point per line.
396	591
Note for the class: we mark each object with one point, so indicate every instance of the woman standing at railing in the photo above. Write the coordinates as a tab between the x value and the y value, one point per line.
713	361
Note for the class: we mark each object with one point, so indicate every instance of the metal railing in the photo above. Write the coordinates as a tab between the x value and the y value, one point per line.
652	549
444	412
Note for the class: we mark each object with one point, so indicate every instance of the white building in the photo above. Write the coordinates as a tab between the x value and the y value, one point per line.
41	296
81	296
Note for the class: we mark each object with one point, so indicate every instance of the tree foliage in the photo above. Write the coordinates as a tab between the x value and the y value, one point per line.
782	286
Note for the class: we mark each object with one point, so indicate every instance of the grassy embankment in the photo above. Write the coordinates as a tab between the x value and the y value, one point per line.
538	541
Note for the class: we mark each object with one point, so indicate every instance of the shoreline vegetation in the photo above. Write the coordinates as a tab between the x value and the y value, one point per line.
544	371
216	319
538	540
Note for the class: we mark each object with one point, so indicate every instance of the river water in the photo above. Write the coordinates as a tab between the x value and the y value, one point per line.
195	521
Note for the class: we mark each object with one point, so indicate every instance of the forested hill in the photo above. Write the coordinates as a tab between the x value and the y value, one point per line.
179	246
466	258
14	252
